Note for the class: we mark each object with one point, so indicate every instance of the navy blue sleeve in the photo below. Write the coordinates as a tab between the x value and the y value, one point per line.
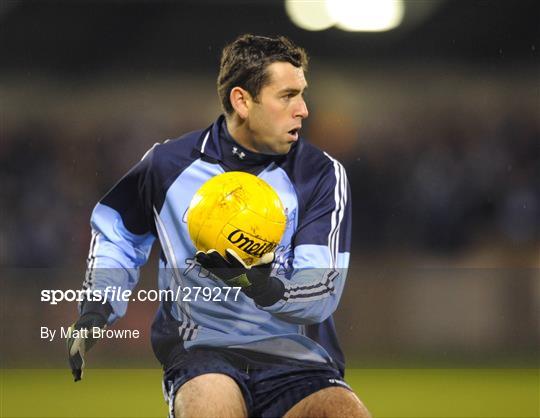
131	197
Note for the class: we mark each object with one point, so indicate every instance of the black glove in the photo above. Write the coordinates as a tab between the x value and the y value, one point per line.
254	280
79	342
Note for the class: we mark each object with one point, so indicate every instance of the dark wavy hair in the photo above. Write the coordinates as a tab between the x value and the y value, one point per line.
244	63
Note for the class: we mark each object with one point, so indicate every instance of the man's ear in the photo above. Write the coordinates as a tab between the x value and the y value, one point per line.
240	101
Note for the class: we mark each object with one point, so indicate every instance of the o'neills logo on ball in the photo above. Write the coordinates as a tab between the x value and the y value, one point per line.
249	244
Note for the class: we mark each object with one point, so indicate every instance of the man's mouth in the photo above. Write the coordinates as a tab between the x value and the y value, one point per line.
294	133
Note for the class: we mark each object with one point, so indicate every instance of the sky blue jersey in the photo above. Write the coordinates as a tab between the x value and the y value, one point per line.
150	202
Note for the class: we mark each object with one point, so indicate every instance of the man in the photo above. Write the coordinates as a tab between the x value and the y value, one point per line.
273	351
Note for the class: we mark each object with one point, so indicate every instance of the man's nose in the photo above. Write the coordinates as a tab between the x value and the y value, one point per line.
302	109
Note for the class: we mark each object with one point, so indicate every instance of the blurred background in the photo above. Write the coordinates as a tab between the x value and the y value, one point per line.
436	119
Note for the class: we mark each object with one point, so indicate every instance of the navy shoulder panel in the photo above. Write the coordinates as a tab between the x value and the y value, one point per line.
145	185
169	160
323	194
308	168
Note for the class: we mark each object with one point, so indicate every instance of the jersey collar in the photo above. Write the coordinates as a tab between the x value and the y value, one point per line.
209	141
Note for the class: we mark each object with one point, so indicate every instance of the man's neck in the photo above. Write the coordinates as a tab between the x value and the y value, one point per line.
237	157
239	131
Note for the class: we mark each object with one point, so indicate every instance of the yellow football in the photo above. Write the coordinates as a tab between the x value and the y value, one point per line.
236	210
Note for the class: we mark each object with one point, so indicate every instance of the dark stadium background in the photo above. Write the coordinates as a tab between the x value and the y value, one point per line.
437	123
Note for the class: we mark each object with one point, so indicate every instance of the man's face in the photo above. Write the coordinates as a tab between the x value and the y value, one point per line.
274	120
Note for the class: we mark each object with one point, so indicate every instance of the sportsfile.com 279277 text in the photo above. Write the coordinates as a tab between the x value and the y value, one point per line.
114	293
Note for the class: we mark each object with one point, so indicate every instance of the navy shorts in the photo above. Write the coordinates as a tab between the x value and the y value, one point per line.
271	385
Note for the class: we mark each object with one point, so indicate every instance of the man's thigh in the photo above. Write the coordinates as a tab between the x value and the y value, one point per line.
329	402
210	395
205	383
278	385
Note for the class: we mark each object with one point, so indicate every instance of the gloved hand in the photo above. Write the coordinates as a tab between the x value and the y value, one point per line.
254	280
80	340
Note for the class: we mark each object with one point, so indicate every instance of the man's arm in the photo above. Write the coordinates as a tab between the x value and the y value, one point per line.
116	254
121	243
321	253
122	236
